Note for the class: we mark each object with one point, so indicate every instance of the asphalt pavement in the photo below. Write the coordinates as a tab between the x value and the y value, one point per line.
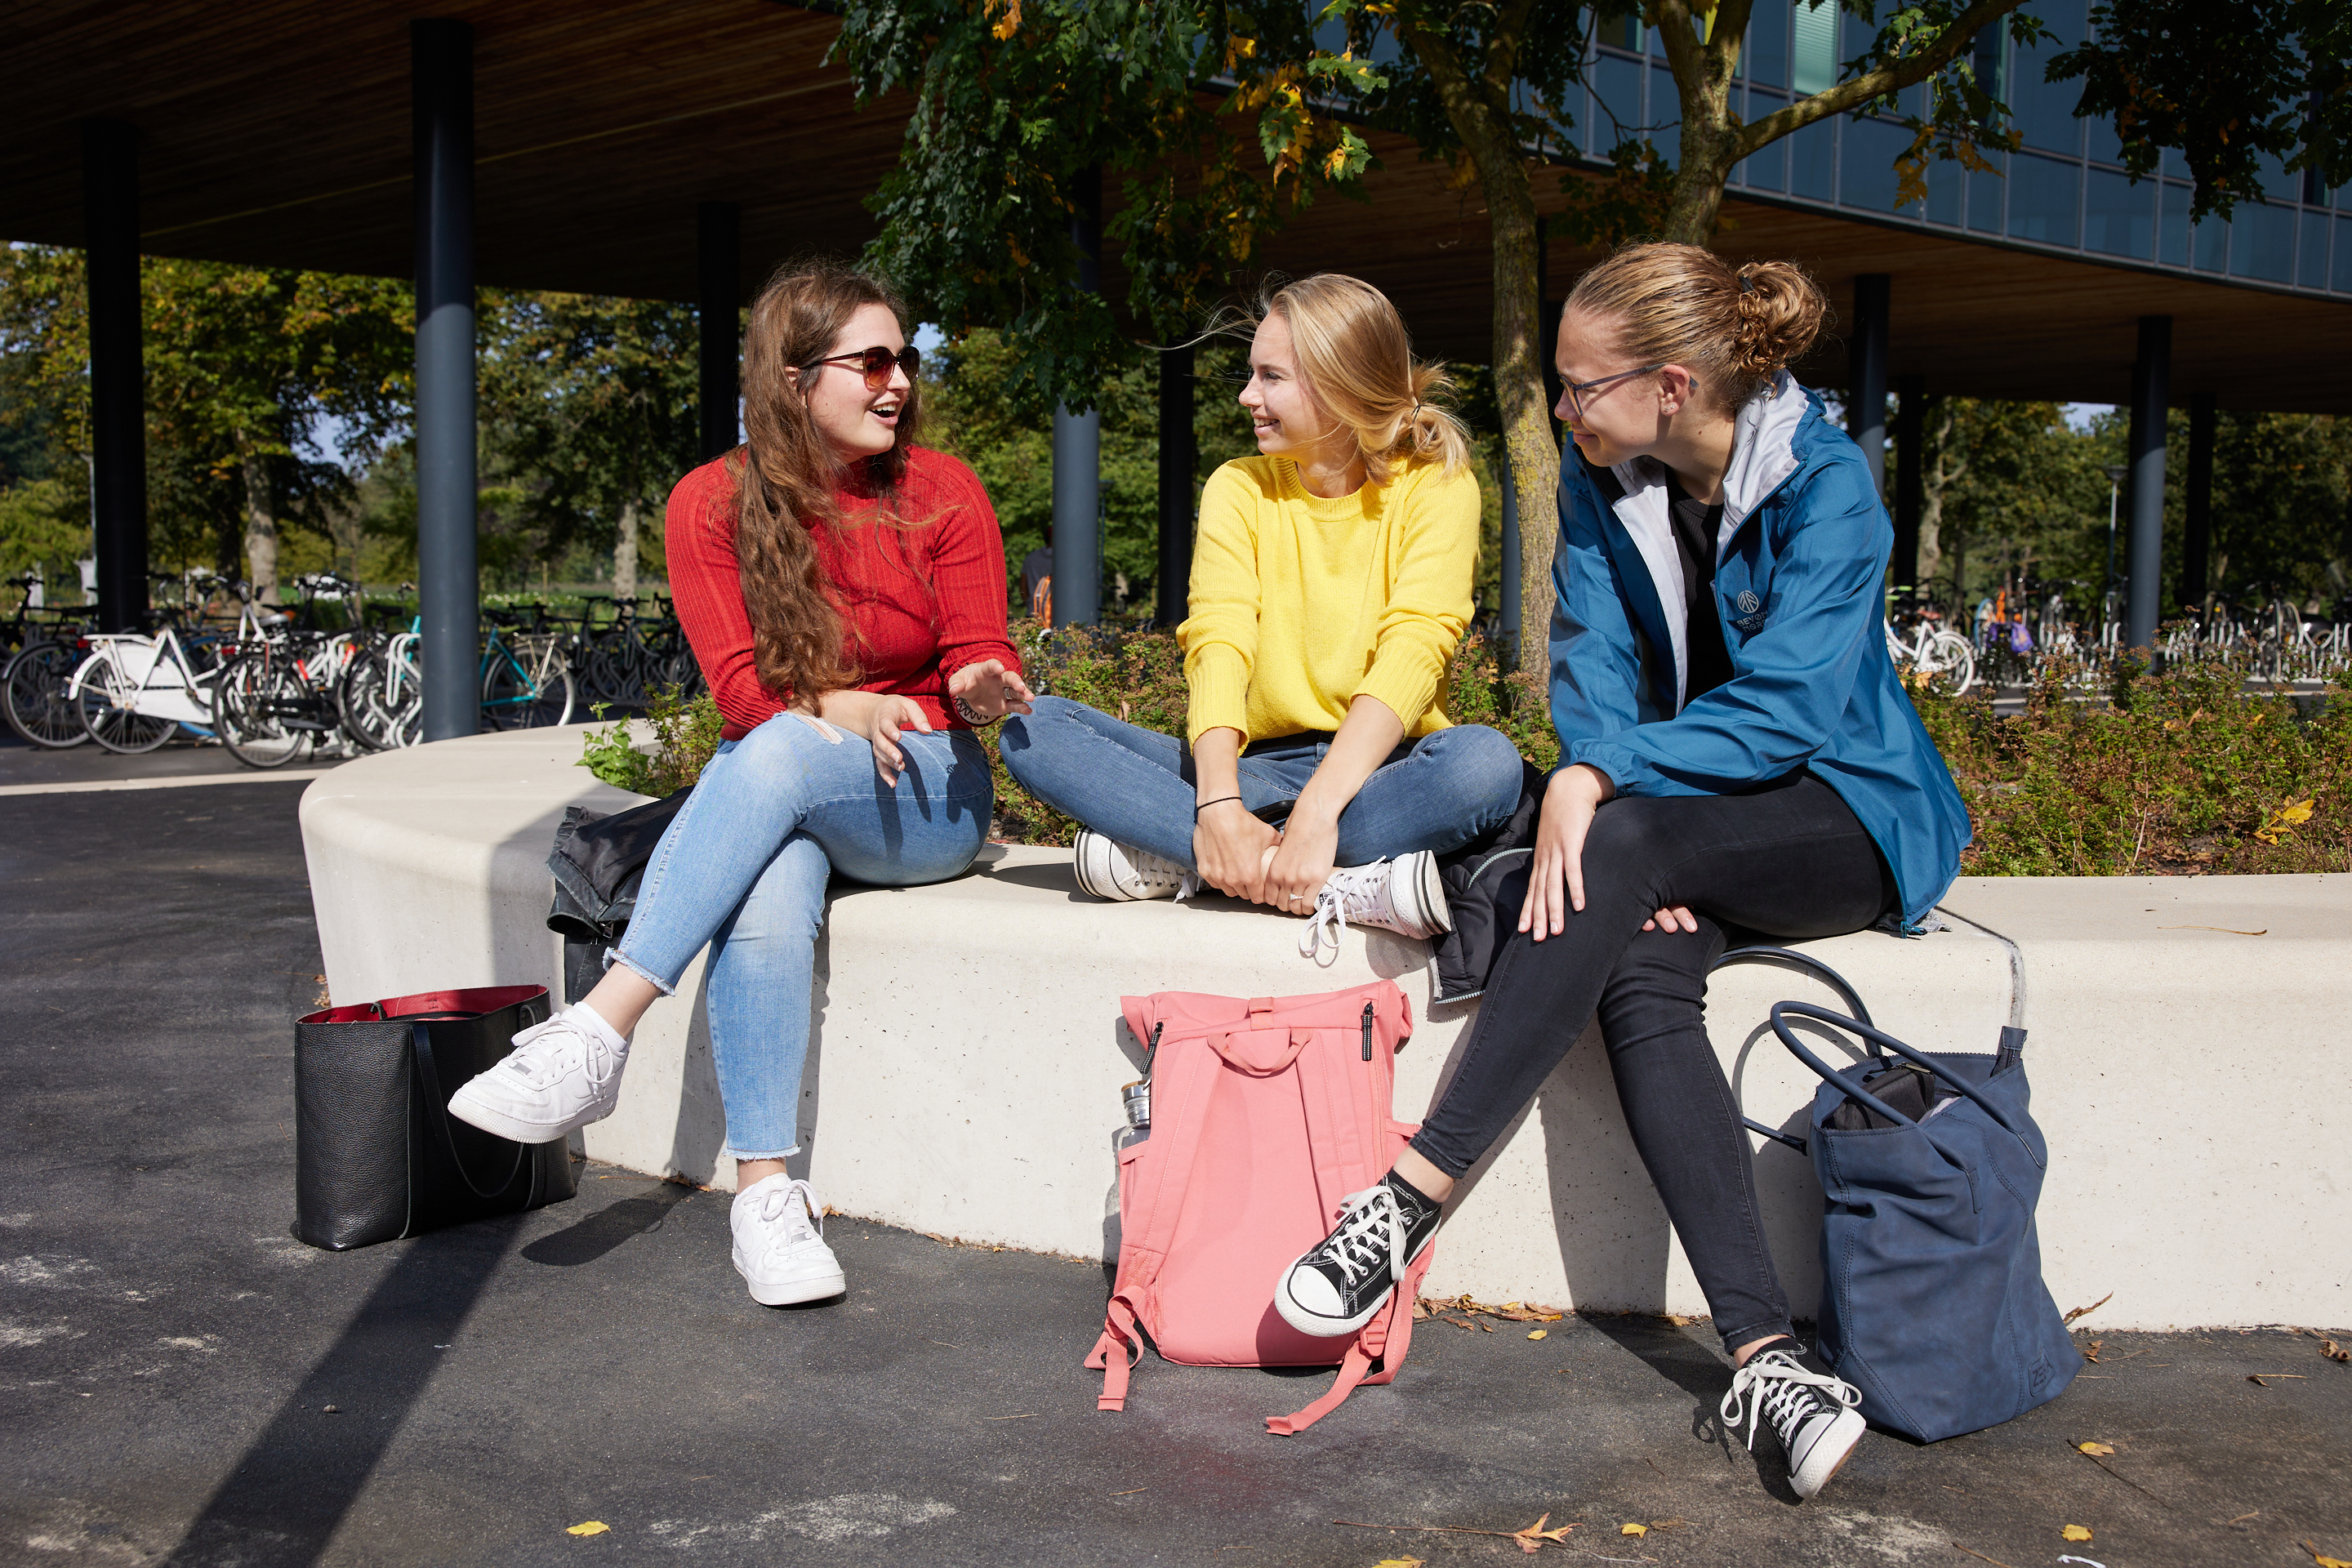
183	1382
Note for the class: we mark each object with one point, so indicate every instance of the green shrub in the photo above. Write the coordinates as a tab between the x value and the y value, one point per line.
686	734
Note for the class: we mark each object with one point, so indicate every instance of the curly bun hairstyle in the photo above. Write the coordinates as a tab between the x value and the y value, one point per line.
1357	359
1683	304
787	475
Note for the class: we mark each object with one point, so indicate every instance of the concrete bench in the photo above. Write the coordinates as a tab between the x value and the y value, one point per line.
964	1073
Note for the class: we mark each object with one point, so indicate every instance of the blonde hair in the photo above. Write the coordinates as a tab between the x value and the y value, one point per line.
1681	304
1357	359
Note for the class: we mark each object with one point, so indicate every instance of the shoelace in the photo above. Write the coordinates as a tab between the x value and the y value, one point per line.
1353	892
1779	1386
542	1060
774	1201
1355	1246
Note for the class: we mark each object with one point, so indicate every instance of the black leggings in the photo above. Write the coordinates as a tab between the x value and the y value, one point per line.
1787	861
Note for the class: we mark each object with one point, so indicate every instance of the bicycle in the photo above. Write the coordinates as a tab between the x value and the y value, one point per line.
1932	652
36	674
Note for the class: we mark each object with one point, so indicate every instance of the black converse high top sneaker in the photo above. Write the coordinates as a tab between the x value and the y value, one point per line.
1337	1287
1810	1409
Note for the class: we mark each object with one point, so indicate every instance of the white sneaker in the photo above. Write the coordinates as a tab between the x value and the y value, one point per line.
1811	1413
780	1246
562	1074
1112	870
1403	895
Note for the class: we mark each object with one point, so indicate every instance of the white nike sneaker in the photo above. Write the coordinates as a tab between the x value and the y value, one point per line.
780	1246
1811	1413
561	1074
1403	895
1111	870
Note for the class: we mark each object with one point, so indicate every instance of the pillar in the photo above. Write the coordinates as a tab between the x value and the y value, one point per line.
2144	556
2196	555
1910	475
118	401
1865	407
1178	456
718	297
1510	585
449	582
1077	445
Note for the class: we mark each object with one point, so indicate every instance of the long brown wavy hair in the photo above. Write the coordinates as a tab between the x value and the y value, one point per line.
788	476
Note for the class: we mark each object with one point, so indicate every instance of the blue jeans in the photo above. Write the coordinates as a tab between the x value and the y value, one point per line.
1135	785
743	867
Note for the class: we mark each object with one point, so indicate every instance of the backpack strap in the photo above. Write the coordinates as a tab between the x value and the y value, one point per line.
1385	1340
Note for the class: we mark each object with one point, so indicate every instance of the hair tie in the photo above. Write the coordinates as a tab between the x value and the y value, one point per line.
1747	284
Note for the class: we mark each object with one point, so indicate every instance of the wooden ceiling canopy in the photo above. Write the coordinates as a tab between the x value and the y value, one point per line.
276	132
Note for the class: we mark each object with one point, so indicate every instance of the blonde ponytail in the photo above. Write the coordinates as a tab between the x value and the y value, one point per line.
1681	305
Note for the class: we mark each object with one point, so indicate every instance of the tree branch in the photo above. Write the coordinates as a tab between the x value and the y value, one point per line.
1891	77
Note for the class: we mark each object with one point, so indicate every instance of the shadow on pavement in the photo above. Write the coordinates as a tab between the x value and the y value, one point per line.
288	1493
597	1234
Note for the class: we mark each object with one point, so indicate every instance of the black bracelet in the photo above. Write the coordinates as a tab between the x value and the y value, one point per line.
1206	803
974	716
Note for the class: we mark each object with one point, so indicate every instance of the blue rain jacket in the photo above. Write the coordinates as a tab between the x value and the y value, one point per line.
1801	557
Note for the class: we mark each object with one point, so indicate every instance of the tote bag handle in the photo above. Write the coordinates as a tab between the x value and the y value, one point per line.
421	1037
1853	1088
1805	961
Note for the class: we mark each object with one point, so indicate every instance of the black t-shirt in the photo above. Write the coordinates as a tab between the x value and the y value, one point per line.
1707	663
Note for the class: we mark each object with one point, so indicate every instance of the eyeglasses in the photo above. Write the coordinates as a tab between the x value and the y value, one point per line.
1577	389
875	363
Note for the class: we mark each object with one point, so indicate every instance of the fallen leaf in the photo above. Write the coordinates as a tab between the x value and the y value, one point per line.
2085	1311
1633	1530
2076	1533
2265	1379
2324	1561
1397	1563
2091	1351
1532	1538
594	1527
2334	1351
1538	1334
2095	1448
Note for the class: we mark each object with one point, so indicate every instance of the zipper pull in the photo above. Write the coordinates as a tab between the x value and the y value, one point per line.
1152	1051
1367	1031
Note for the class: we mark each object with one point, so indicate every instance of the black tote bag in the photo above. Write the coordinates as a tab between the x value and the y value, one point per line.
376	1154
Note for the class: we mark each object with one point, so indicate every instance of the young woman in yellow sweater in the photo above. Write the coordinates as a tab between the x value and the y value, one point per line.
1331	582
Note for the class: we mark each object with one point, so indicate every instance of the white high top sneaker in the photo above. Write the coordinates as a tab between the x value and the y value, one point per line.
561	1074
1108	869
1403	895
780	1246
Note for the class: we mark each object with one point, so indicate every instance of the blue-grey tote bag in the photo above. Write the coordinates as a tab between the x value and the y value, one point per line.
1932	1299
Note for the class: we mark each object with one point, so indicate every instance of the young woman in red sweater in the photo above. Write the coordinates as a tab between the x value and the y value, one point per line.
844	591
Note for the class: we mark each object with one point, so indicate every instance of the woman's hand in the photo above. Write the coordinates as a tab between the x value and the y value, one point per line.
1673	916
1302	864
879	716
990	689
1229	846
1556	881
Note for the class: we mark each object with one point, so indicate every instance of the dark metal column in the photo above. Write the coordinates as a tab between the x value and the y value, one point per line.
1910	475
118	411
718	297
1178	455
1511	583
1077	446
1866	402
2196	555
448	580
2144	555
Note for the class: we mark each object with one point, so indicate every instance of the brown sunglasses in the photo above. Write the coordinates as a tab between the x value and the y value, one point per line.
875	363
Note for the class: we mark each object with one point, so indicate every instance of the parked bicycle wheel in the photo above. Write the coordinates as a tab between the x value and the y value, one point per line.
105	698
257	705
1951	660
40	708
379	699
527	689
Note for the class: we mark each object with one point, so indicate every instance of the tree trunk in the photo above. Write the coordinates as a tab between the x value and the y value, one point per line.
1710	137
625	554
261	531
1942	468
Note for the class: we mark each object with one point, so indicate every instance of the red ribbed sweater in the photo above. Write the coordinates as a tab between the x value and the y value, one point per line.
921	602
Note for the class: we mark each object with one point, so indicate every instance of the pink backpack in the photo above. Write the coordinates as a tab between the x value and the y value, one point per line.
1265	1114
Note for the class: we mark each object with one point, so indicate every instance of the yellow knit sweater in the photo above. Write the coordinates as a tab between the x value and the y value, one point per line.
1301	604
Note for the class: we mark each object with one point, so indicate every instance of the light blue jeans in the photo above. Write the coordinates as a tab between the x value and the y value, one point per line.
744	866
1135	785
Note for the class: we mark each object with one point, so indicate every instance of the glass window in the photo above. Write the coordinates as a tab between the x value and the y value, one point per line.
2343	255
1945	182
1813	161
1667	116
2172	235
2105	146
2212	245
2045	198
2312	270
1991	58
1766	54
1987	189
1870	180
2262	242
2045	110
2277	183
1617	92
1815	38
2118	217
1767	169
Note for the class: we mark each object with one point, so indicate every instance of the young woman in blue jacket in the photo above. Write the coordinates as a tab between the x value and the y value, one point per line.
1736	752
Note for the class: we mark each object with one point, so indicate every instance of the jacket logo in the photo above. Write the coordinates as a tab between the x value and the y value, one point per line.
1748	601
